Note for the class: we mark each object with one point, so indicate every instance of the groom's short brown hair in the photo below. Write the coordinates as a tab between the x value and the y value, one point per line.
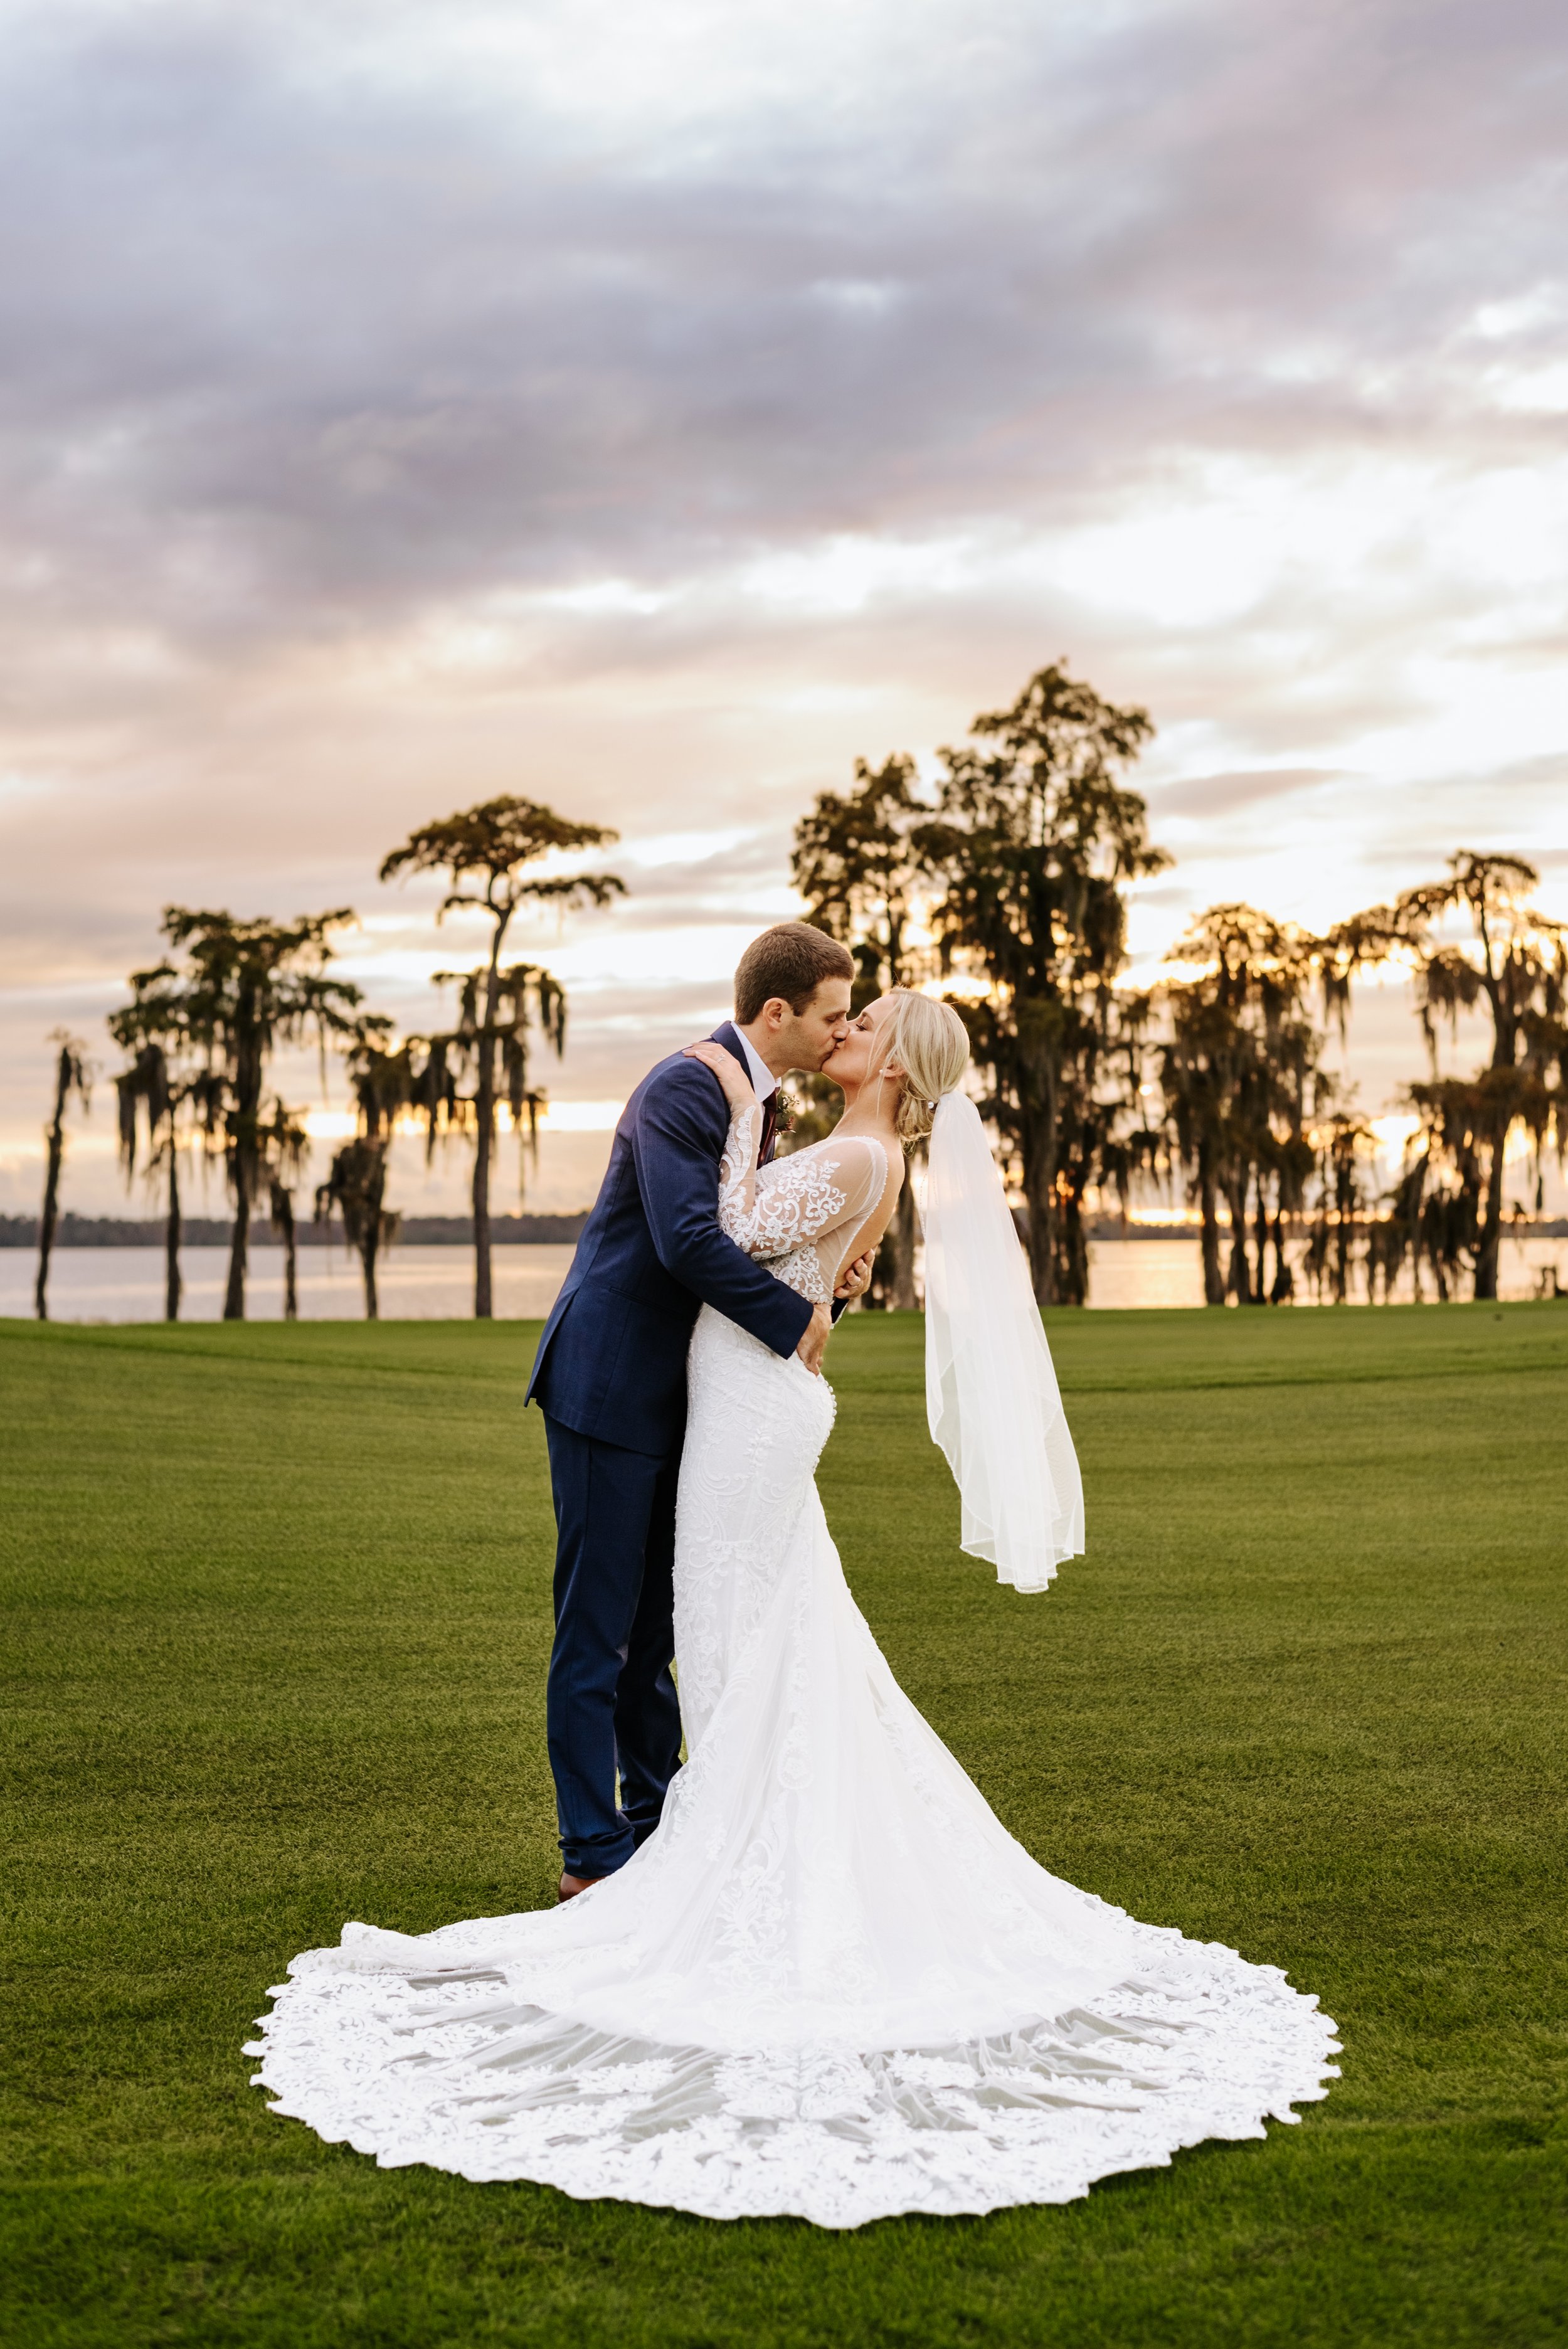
791	960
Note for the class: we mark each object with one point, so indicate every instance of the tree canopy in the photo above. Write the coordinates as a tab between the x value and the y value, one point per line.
1035	839
1241	1072
1513	966
483	850
240	989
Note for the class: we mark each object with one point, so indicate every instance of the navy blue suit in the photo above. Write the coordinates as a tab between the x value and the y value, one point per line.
610	1377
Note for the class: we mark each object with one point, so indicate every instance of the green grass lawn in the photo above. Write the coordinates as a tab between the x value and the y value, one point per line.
277	1607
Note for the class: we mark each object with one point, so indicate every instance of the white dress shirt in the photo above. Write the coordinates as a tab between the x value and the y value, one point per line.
763	1081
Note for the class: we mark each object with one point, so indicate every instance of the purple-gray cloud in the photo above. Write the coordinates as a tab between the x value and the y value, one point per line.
399	404
282	355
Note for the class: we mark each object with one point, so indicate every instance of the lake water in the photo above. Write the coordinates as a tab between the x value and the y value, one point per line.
1171	1272
436	1284
413	1284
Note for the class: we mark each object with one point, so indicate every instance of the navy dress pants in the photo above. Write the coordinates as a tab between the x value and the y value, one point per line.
611	1704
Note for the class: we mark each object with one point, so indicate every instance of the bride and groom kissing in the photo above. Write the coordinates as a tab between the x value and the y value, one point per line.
806	1971
611	1377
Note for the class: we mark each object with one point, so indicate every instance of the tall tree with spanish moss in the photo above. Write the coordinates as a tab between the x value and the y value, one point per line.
1344	1143
1241	1075
286	1147
856	865
484	852
381	1077
165	1095
1034	843
1511	963
70	1077
248	987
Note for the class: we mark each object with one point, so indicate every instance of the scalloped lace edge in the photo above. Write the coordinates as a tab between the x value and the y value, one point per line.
456	2075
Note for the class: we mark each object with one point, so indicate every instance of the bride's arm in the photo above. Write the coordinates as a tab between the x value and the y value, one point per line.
738	1172
738	1166
821	1194
677	1142
847	1251
824	1194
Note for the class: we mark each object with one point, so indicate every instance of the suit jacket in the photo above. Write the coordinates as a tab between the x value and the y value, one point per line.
611	1362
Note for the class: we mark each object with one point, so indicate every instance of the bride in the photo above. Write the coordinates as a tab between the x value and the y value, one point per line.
831	1984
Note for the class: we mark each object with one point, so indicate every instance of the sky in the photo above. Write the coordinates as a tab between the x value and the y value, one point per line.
651	410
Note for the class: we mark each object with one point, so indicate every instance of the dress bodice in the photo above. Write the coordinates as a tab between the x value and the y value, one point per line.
799	1215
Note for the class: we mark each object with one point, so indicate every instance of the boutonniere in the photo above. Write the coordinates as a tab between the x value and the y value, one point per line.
785	1111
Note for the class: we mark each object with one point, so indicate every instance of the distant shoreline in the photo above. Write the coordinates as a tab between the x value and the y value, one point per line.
521	1231
212	1231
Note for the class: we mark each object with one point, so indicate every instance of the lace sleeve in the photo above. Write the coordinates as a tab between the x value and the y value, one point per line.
802	1198
738	1172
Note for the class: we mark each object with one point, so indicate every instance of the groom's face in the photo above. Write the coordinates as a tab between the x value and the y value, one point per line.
803	1040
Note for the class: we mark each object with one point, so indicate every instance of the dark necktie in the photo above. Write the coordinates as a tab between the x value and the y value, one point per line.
769	1127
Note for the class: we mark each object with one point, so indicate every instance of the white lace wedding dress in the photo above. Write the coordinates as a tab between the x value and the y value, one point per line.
831	1984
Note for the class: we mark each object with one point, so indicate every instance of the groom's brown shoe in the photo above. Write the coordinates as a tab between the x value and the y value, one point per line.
571	1886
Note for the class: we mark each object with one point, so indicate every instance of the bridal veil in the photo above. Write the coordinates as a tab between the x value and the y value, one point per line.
991	1392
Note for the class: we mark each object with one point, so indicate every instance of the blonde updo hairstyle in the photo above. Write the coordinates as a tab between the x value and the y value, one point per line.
930	1043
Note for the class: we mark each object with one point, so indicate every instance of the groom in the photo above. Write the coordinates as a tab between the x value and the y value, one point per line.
610	1377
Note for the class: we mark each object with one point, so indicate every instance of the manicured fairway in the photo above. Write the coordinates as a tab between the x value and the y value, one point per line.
277	1607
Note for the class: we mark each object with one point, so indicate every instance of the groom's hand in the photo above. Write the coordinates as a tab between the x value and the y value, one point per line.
814	1339
856	1279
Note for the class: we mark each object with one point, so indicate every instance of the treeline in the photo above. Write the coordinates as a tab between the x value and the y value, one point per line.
203	1027
1004	884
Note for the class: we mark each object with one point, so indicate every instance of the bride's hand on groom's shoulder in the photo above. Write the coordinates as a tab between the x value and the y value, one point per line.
739	1091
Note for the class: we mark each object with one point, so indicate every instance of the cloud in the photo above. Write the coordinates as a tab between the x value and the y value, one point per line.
1253	787
294	346
652	409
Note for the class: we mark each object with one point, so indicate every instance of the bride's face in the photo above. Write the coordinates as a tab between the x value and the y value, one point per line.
862	1053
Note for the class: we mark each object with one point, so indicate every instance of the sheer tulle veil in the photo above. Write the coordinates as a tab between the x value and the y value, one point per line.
991	1391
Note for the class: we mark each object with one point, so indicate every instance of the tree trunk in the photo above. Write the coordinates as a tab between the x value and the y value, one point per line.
1072	1250
902	1294
1240	1283
1209	1208
239	1246
1341	1239
1039	1157
283	1217
1284	1279
172	1285
245	1158
48	1220
1040	1197
484	1147
374	1228
1261	1241
1489	1244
